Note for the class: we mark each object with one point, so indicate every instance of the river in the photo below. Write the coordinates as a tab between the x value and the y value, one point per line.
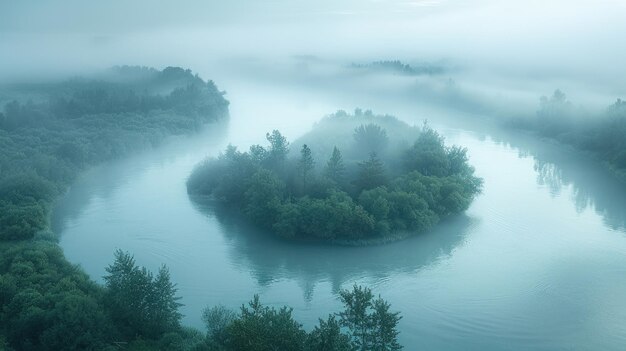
538	262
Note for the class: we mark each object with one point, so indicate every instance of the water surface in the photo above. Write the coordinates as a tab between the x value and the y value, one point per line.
537	262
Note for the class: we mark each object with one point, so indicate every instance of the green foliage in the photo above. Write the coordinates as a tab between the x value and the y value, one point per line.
140	304
334	217
372	326
279	148
47	303
356	316
217	319
384	334
305	165
601	134
428	154
335	169
354	201
364	324
327	336
263	197
82	122
371	173
263	328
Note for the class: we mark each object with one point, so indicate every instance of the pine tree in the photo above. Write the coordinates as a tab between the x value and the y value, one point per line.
335	168
165	303
305	165
279	148
371	173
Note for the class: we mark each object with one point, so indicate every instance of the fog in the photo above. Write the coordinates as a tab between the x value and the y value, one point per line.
529	91
534	46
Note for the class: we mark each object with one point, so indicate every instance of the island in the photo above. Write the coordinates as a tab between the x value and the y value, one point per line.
356	179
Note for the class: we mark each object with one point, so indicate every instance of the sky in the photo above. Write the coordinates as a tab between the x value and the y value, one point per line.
580	40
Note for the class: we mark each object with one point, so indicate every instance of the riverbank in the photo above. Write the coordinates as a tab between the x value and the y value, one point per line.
71	127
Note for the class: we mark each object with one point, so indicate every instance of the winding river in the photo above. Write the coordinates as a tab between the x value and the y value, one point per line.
538	262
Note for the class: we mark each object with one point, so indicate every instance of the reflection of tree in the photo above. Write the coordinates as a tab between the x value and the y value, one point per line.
271	259
557	166
549	175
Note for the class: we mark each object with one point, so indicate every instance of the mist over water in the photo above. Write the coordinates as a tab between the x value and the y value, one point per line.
538	259
534	261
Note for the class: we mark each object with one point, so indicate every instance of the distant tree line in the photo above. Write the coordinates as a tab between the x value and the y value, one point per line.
602	135
352	195
398	67
62	128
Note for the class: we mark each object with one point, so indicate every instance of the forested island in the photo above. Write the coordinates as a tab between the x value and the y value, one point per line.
356	179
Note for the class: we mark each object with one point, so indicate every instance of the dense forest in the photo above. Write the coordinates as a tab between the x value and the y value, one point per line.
49	304
602	135
358	178
50	132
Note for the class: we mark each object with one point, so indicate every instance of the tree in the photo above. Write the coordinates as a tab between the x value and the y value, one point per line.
262	328
355	316
258	153
428	154
279	148
263	197
371	173
384	324
371	326
327	336
335	169
217	319
336	216
305	165
140	305
165	305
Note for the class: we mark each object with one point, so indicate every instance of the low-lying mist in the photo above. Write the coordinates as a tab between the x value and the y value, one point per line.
503	46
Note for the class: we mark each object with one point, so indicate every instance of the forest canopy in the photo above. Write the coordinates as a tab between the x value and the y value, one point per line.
353	179
49	132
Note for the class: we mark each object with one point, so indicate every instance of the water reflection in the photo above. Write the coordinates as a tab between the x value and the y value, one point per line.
100	182
558	167
269	258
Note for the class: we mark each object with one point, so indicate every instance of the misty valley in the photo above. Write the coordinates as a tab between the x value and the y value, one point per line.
334	176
